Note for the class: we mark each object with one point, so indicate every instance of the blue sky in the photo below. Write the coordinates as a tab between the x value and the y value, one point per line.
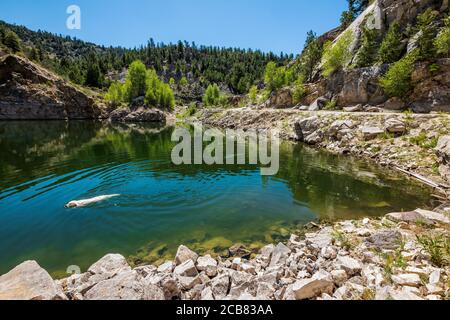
269	25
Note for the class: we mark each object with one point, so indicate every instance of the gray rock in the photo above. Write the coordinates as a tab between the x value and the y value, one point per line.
139	115
29	281
306	127
187	283
395	126
318	104
124	286
320	239
434	216
166	267
409	217
184	254
370	133
411	279
220	286
109	265
320	283
208	265
386	239
350	265
279	255
395	104
186	269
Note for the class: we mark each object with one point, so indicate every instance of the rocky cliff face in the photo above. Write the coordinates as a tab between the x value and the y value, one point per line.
28	91
361	86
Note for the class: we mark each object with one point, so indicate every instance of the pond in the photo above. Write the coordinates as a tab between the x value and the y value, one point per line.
44	165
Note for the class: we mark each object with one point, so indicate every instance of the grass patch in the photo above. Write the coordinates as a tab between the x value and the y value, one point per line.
437	247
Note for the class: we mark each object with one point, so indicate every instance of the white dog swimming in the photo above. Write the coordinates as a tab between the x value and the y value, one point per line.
86	202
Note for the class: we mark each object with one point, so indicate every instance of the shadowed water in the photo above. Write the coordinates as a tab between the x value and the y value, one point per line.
44	165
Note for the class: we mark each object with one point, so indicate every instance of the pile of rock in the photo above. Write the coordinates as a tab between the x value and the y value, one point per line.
140	114
368	259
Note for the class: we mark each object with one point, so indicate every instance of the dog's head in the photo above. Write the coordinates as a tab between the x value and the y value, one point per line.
71	204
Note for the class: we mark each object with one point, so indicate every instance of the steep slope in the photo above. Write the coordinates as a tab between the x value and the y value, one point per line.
351	85
28	91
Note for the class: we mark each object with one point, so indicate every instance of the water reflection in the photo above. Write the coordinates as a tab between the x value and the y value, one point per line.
44	165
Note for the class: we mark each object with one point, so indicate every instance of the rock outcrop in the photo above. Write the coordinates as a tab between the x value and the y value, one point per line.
140	114
29	281
443	153
28	91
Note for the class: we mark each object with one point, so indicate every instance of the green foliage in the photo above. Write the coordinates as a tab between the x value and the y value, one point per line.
310	57
135	82
341	239
394	260
331	105
184	82
367	53
236	69
158	94
94	76
115	94
442	42
212	96
172	82
338	55
437	247
299	91
12	41
253	94
391	47
426	31
422	140
142	82
397	81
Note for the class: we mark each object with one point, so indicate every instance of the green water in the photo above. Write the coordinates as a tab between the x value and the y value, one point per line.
44	165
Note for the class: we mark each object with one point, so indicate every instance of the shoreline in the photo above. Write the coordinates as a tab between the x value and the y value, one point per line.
365	259
342	135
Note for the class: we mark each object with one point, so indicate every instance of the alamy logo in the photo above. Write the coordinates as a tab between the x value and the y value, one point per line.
229	148
73	22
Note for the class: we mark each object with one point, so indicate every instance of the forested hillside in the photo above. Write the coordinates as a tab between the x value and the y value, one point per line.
89	64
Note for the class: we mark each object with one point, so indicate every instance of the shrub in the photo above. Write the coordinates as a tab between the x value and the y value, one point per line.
331	105
276	77
253	94
115	93
391	47
158	94
336	56
299	91
442	42
184	82
12	41
436	247
212	95
397	81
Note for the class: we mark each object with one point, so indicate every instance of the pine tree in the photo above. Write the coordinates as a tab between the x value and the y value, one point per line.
93	73
310	57
367	53
391	47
